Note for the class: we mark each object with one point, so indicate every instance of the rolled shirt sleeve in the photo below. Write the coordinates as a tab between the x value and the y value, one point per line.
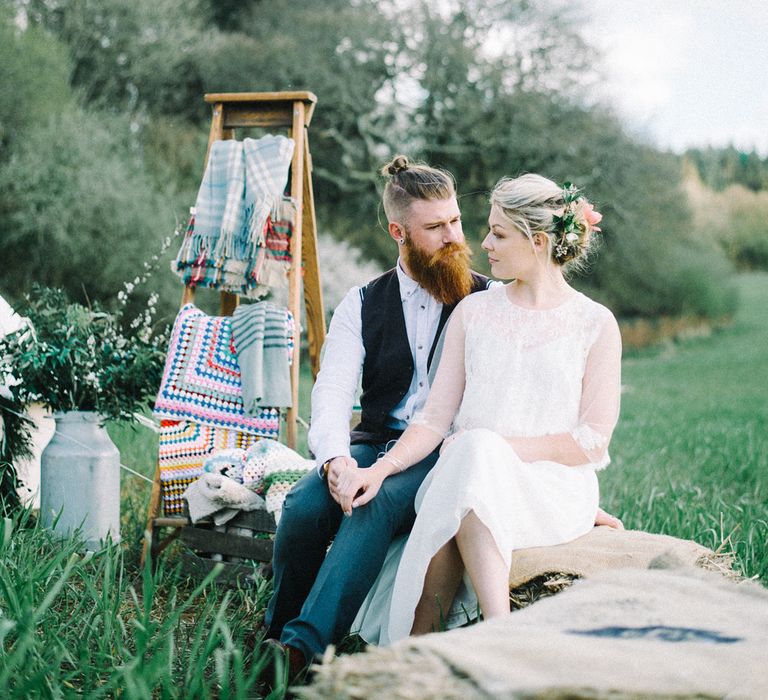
334	392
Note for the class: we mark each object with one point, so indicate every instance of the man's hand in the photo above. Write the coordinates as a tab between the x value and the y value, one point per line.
337	467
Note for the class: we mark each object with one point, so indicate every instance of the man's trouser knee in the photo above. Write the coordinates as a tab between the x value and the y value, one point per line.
350	567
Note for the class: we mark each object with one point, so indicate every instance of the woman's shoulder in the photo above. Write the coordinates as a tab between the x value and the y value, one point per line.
485	296
477	302
595	308
597	317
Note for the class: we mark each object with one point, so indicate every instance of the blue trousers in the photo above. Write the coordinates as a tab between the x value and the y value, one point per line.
318	591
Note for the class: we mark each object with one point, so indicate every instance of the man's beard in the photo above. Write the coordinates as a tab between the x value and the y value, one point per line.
444	274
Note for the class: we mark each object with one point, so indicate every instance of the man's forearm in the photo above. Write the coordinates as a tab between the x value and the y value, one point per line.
334	392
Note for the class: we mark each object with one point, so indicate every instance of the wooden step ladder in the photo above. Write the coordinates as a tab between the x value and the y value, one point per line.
276	111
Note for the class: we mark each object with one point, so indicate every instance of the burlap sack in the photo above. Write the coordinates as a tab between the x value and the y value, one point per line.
621	634
602	549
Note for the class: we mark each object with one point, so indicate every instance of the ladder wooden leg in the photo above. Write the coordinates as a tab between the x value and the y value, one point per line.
313	295
149	544
294	276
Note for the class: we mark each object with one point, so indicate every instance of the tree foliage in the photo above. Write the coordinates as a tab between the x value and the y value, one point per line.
719	168
77	210
484	88
736	219
34	73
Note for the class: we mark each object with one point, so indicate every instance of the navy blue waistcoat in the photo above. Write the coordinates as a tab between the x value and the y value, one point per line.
388	366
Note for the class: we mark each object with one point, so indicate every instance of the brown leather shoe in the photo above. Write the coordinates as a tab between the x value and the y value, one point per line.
294	665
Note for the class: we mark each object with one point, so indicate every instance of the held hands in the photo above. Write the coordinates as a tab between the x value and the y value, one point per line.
352	486
337	467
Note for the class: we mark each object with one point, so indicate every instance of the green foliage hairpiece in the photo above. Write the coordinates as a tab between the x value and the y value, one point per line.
566	227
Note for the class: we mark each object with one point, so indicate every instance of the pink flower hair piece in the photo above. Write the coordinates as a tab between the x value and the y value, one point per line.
593	217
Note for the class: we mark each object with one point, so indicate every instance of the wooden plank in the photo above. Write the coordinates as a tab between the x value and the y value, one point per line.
263	109
217	129
159	545
227	543
228	302
155	496
294	274
258	520
279	114
303	95
188	295
313	295
231	574
172	521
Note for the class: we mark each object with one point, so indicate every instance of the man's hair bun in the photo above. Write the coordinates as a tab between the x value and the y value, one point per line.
396	165
408	180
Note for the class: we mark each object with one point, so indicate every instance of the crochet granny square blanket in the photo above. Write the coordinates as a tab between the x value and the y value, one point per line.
202	381
184	448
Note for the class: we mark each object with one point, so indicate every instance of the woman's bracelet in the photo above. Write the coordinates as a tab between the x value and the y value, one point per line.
398	463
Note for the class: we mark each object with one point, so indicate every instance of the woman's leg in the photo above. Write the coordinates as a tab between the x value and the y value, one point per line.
440	586
485	566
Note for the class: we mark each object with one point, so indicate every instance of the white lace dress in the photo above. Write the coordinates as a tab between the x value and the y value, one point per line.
506	371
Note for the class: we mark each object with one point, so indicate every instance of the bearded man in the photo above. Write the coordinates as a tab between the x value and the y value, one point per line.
385	332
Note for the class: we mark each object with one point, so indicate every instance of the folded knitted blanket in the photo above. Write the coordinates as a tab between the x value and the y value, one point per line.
221	497
229	462
279	468
267	467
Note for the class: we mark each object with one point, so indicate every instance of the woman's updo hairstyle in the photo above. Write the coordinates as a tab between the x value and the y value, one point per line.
408	181
535	204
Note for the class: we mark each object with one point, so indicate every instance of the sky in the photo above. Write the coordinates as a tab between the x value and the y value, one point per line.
686	73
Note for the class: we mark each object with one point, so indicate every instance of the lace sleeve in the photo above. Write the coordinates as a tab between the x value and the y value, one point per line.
448	387
600	396
430	425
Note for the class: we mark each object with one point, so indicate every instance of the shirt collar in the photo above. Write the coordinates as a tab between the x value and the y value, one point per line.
408	285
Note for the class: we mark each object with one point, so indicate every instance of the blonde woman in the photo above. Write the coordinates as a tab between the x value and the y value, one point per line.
525	398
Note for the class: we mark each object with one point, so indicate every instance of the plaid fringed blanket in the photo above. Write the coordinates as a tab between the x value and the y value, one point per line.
225	242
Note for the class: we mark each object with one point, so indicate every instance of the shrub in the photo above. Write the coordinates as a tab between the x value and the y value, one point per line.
34	73
78	211
75	358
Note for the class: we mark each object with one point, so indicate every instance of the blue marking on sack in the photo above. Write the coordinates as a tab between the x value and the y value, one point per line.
661	633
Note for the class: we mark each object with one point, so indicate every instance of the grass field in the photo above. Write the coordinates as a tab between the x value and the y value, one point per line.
690	459
690	453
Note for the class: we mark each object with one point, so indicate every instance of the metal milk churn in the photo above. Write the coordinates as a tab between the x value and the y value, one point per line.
80	479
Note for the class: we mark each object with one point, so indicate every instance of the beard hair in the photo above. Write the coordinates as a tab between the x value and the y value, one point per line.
445	274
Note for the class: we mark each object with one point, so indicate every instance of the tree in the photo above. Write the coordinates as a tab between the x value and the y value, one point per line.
34	73
77	210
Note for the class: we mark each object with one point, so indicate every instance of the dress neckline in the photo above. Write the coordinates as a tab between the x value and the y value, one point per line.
570	298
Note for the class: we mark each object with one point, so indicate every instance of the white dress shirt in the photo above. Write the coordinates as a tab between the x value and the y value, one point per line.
338	382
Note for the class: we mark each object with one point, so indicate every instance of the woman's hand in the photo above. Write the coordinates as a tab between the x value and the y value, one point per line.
360	486
603	518
450	439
